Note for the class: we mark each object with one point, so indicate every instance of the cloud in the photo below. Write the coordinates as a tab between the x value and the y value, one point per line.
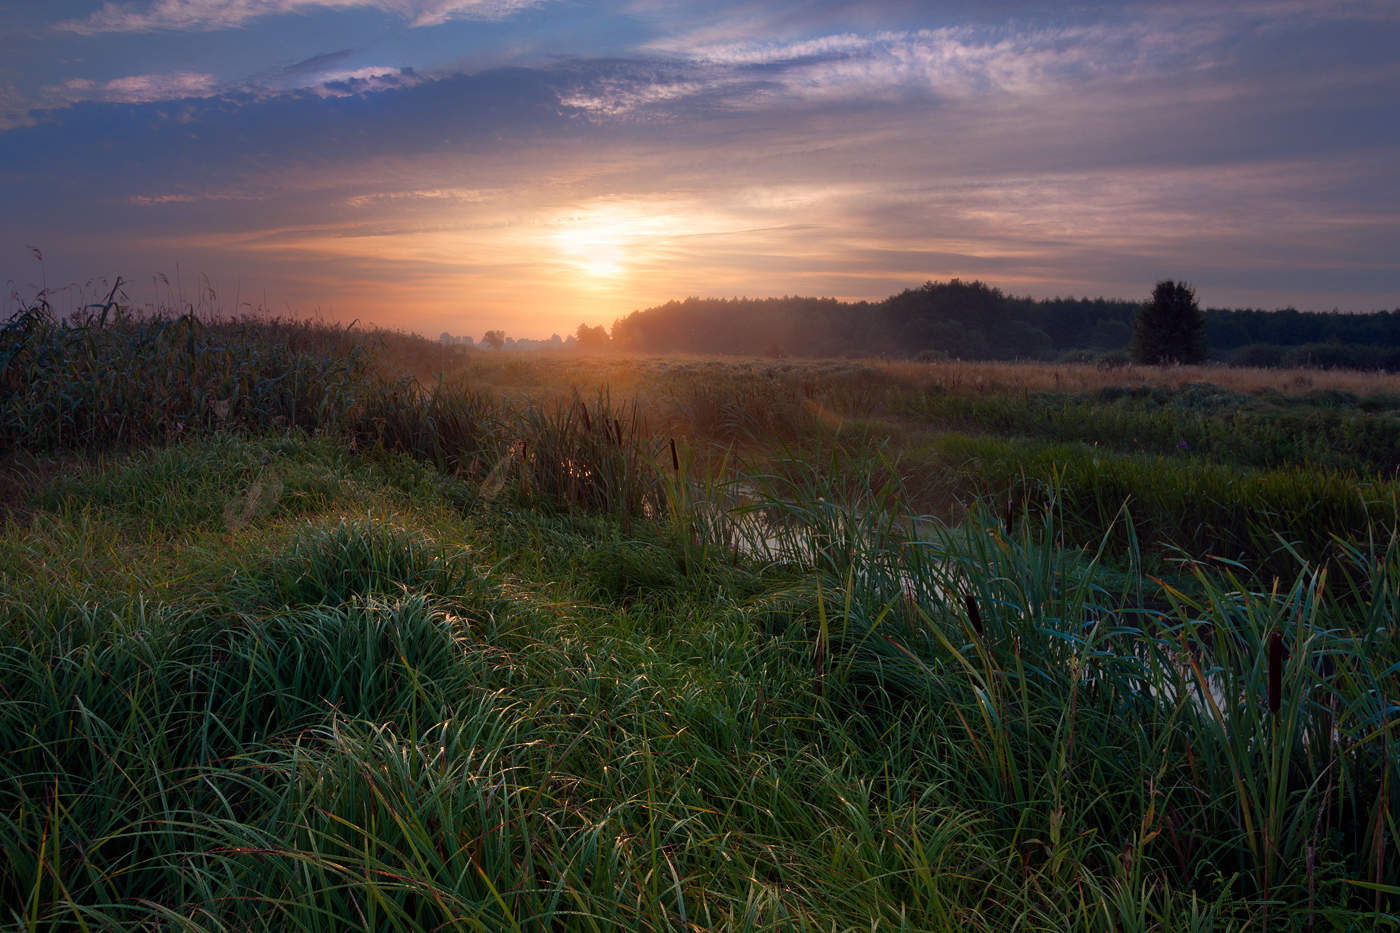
940	64
16	112
325	76
1021	51
135	89
766	58
367	80
436	12
204	15
317	64
622	88
156	200
460	195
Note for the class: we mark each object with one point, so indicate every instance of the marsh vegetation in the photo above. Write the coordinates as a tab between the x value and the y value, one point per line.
305	631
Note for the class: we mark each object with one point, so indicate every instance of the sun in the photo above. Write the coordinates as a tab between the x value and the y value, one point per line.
595	246
612	242
601	241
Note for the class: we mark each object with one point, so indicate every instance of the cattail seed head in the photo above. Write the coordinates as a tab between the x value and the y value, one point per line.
974	615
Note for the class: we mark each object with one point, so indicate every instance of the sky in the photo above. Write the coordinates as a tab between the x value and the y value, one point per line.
530	165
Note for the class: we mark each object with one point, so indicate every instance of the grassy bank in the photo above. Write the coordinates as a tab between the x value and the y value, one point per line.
488	657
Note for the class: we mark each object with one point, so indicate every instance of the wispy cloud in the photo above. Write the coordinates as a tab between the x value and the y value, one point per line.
157	200
15	111
136	89
199	15
461	195
955	63
1028	55
627	88
740	60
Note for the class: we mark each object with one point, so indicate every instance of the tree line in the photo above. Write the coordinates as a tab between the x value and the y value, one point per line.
973	320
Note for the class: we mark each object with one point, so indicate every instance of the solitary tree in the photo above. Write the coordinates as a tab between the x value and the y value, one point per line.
1170	327
495	339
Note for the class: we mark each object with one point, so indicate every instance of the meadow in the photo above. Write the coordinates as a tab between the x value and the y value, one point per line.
310	628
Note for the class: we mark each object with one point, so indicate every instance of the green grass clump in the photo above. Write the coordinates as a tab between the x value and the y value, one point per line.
360	557
626	569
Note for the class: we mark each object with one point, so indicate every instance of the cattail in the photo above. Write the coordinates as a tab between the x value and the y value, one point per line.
675	460
1010	512
973	614
1275	671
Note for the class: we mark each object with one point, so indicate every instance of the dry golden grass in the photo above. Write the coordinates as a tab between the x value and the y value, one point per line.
543	372
1083	377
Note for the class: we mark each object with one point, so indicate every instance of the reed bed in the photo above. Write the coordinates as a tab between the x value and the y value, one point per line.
104	378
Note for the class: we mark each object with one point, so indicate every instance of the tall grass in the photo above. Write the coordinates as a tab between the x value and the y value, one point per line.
1165	749
403	722
458	663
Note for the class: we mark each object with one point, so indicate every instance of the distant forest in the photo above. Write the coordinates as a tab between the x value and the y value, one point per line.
972	320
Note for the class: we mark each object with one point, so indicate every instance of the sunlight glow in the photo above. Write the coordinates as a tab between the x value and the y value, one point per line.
598	241
605	240
598	251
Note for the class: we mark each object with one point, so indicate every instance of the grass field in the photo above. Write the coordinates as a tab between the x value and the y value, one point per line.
292	642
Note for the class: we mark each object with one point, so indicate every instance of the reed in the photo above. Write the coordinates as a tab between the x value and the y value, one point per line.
105	378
